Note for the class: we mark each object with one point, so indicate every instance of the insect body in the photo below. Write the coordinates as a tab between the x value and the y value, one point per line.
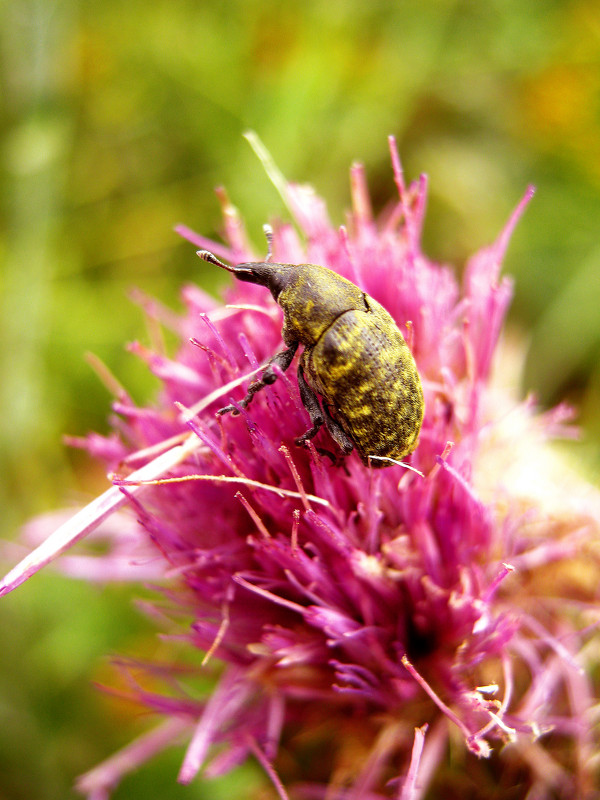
354	357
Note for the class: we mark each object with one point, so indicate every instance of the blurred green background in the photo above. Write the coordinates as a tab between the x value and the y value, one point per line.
117	122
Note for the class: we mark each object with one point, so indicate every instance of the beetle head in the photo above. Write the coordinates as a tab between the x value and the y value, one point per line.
264	273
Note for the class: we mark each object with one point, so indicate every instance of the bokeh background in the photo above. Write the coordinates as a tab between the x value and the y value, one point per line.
117	122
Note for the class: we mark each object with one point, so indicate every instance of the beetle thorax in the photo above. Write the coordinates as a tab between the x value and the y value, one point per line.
312	299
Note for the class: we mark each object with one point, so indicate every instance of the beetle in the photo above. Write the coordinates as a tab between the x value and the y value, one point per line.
354	357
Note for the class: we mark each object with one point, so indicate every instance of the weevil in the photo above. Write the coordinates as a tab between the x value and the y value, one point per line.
353	356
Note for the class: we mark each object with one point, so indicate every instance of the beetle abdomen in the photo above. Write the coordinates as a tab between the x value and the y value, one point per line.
367	375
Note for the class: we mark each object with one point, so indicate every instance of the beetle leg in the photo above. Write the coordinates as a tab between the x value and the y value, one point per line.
312	405
337	433
319	416
269	376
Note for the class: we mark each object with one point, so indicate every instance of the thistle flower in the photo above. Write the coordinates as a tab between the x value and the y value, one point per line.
366	623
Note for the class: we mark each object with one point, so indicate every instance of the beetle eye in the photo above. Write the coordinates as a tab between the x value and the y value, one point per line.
262	273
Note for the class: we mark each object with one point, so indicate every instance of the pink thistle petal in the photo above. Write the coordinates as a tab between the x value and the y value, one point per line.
100	781
202	242
232	692
87	519
410	782
478	746
268	768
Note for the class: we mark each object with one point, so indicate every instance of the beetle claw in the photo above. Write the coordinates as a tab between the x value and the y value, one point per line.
228	410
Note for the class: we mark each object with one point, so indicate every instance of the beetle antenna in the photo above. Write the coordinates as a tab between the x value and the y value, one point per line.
269	234
206	255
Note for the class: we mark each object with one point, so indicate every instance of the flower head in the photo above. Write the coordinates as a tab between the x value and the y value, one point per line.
371	616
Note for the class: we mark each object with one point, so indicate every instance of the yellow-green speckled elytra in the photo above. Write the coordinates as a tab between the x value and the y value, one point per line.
354	356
